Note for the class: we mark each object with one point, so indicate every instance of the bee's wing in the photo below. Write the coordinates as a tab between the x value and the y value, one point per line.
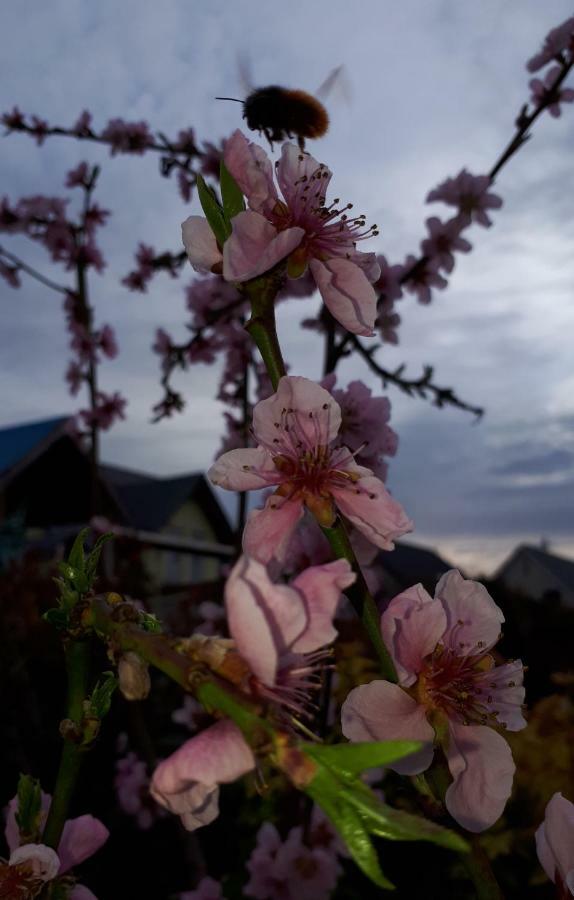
337	83
245	74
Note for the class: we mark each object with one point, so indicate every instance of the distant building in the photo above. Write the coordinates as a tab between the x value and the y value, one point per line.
534	572
409	564
46	497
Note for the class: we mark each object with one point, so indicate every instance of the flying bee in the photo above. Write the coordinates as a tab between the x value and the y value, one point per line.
281	113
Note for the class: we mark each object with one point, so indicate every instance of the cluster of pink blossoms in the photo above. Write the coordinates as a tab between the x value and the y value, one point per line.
281	632
449	693
298	453
36	864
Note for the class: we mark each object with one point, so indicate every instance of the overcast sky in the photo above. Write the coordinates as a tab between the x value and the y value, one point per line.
436	86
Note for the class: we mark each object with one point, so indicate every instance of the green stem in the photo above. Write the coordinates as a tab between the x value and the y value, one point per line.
476	862
261	326
77	667
361	598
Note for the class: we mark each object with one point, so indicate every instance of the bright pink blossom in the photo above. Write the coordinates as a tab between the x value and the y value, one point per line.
556	42
470	194
545	94
280	630
296	429
290	870
447	683
297	226
555	844
187	782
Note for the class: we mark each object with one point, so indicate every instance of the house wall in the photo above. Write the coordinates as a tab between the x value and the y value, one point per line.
174	568
528	576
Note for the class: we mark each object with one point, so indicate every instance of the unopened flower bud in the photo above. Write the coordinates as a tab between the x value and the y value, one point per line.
133	674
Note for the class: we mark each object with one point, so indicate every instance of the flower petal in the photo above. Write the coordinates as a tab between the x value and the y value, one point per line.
314	416
264	618
252	170
481	764
504	685
294	166
555	838
268	531
247	469
255	246
473	618
371	509
412	625
41	861
200	244
81	838
196	805
321	587
347	293
381	711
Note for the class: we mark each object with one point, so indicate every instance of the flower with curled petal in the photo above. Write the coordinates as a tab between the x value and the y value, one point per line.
296	431
555	844
449	692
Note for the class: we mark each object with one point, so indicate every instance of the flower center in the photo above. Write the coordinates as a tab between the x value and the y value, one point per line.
458	686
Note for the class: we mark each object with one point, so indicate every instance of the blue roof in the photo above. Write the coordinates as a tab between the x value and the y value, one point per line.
18	441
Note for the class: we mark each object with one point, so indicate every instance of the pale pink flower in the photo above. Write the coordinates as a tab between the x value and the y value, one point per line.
470	194
556	41
297	226
447	682
444	238
545	94
296	429
187	782
290	870
280	630
555	844
38	860
81	837
207	889
422	275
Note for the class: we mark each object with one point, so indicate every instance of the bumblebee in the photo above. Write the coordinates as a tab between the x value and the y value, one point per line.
281	113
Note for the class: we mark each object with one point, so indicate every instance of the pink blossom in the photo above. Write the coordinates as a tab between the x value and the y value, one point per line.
211	157
444	238
388	284
37	860
449	691
295	429
364	424
132	788
545	94
109	408
280	630
107	342
290	870
81	837
82	342
555	844
127	137
556	41
75	375
207	889
83	123
187	782
79	176
388	321
470	194
421	276
14	120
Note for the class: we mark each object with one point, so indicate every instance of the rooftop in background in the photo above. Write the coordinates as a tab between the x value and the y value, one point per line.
18	442
535	572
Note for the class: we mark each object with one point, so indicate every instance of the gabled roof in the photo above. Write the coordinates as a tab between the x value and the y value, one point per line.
560	567
411	564
19	444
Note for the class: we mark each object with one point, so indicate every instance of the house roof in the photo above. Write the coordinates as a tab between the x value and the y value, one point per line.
410	564
20	443
560	567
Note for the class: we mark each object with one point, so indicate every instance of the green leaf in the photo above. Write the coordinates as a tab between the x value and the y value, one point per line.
29	807
151	623
213	211
352	759
231	194
397	825
350	826
76	558
58	617
94	557
101	698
